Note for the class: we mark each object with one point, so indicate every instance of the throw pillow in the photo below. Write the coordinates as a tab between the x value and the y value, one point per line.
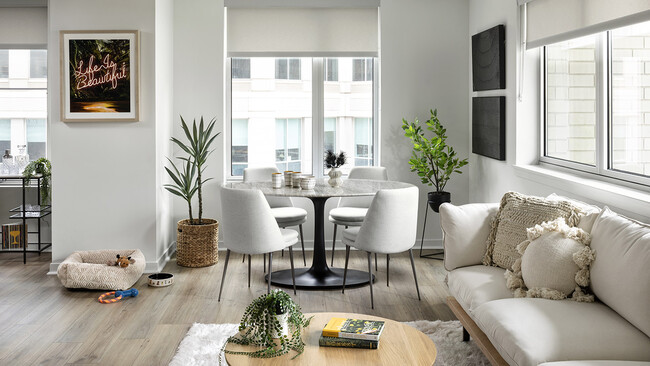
517	213
554	263
589	212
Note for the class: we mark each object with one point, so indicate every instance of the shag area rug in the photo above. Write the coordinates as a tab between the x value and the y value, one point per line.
202	343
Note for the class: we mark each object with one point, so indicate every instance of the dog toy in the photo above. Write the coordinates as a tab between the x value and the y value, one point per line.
122	261
119	295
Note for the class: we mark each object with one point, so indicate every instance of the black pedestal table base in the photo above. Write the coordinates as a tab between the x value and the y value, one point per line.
308	279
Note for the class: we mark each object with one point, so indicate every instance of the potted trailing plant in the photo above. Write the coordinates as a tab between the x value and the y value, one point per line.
274	323
41	167
197	238
334	162
433	160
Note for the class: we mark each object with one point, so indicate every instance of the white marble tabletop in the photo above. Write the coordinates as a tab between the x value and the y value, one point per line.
349	187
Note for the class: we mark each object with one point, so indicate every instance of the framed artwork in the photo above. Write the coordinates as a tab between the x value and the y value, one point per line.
489	59
489	127
99	76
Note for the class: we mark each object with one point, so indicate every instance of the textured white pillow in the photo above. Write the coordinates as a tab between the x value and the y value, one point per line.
589	212
621	274
554	263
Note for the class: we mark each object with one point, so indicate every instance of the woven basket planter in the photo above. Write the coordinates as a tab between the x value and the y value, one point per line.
197	245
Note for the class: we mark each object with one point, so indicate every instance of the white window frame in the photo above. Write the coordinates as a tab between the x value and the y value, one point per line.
318	120
601	168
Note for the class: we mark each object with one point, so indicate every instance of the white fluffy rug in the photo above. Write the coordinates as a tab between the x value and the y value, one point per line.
203	342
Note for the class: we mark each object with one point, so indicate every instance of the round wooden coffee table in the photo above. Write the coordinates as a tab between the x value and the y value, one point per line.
399	345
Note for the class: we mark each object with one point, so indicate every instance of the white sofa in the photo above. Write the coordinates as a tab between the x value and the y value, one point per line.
613	330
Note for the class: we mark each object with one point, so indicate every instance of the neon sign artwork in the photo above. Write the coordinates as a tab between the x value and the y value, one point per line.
108	72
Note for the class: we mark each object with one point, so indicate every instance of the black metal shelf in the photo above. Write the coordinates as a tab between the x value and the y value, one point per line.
35	212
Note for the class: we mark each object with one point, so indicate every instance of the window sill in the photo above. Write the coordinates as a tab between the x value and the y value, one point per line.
635	201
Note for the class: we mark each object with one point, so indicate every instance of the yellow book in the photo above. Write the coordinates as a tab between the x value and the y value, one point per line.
353	328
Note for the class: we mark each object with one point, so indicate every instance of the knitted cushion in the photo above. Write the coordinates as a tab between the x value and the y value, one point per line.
90	269
554	264
517	213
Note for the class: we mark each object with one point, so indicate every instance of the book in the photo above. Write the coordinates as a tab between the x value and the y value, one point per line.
347	342
12	236
354	329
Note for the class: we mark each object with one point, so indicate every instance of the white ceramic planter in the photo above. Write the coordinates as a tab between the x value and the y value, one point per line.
335	177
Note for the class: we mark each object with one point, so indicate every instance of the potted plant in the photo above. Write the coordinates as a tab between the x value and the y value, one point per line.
197	239
273	322
433	160
41	167
334	162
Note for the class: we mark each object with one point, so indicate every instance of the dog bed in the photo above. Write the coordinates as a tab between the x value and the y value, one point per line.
90	269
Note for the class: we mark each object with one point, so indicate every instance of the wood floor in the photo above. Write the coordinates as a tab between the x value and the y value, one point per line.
43	323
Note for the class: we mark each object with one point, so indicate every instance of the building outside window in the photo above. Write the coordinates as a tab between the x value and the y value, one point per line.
241	68
23	101
332	69
597	103
284	129
362	69
287	68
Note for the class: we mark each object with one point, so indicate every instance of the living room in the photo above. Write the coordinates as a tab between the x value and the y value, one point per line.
108	177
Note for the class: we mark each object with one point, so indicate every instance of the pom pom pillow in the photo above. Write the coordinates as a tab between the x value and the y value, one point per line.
554	263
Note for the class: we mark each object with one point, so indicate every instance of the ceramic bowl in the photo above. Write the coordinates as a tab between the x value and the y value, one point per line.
161	279
308	182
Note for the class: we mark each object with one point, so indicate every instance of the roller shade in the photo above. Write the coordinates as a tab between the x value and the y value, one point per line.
301	31
551	21
23	28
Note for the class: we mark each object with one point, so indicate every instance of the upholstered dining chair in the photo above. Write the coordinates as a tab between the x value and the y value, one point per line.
352	210
282	208
389	227
250	229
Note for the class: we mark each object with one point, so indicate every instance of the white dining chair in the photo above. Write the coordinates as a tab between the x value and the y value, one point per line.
250	228
389	227
352	210
282	208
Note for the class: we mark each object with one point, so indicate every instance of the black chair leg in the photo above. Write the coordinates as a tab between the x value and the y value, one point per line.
223	277
376	262
345	270
302	243
243	258
264	263
415	276
249	270
465	335
293	274
387	270
333	244
268	287
372	300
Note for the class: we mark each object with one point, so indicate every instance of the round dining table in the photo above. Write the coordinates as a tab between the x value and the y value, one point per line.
320	275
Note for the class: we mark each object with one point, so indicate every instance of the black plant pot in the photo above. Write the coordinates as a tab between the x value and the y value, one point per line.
438	198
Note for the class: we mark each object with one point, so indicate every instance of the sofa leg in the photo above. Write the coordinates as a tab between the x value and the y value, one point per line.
465	335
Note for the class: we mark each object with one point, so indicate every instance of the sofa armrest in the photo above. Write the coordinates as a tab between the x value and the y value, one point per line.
465	229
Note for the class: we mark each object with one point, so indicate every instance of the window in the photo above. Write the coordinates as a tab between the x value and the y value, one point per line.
4	64
287	68
23	102
241	68
289	126
38	64
332	69
362	142
597	104
287	144
362	69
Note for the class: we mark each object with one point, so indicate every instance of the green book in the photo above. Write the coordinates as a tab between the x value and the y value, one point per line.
347	342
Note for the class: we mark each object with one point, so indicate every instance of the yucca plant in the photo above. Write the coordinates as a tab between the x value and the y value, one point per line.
190	180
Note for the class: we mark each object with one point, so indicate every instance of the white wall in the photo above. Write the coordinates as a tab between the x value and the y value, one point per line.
106	174
489	178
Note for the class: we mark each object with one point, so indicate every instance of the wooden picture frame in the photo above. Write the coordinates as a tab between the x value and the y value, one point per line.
489	59
100	76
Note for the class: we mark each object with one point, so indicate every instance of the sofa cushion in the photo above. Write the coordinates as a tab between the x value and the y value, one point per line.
620	275
518	212
554	263
596	363
589	212
465	230
476	285
527	331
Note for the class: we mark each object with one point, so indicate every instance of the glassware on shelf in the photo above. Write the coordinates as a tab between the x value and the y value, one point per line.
7	166
22	159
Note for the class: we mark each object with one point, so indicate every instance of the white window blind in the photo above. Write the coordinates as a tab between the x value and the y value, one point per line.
23	28
552	21
301	31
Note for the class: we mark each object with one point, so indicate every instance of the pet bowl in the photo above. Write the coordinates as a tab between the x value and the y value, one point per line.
161	279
